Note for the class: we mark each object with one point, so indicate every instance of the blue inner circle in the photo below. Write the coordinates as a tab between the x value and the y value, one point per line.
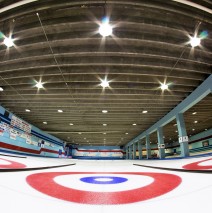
105	180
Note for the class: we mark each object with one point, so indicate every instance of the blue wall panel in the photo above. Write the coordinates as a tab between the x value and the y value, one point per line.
14	138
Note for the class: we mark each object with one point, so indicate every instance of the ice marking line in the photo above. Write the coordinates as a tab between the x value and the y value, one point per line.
11	165
196	166
13	156
177	170
37	168
45	183
103	180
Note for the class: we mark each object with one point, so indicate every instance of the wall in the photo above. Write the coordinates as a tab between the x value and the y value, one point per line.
18	136
154	151
205	136
97	152
196	142
195	145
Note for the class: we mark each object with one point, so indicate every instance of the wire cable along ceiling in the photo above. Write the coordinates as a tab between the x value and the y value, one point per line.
62	72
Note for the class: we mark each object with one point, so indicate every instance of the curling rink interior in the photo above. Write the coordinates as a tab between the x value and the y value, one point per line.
105	106
35	184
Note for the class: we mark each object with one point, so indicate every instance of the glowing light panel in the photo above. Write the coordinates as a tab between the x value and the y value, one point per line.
105	28
164	86
39	85
104	83
8	42
195	41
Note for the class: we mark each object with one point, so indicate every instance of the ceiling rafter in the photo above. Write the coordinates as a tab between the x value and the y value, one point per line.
61	46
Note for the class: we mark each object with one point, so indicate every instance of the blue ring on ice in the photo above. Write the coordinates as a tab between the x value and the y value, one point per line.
103	180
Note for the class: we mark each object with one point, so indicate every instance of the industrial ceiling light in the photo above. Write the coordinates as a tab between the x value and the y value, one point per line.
104	111
39	85
27	110
8	42
194	41
164	86
104	83
60	110
105	28
144	111
1	89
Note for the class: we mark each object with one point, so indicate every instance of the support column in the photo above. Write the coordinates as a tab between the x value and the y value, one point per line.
139	150
127	157
182	134
148	148
134	151
161	145
130	152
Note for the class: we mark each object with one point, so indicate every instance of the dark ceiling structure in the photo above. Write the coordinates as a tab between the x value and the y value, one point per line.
57	43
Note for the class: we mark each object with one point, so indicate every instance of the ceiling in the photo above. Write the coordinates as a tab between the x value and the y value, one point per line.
57	42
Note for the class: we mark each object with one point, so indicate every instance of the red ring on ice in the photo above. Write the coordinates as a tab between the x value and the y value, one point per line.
195	166
162	184
12	165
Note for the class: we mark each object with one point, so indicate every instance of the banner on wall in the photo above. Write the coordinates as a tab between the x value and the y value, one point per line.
28	138
5	127
13	134
97	153
17	122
